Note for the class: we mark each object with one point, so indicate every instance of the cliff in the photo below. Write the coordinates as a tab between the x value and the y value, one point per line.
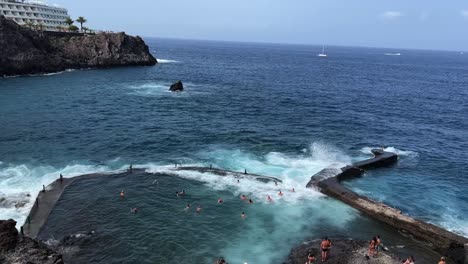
17	249
24	51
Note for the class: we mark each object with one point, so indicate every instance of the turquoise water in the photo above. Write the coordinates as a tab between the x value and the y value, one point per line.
272	109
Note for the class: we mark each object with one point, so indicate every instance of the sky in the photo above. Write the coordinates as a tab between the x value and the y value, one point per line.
415	24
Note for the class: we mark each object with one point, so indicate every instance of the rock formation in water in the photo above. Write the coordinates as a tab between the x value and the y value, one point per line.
177	87
342	251
17	249
25	51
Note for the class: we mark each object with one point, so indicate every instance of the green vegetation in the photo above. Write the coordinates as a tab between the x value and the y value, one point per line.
30	25
73	28
69	21
81	20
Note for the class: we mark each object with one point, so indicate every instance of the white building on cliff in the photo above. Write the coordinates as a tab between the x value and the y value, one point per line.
34	12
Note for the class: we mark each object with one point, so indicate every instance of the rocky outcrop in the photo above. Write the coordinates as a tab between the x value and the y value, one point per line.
342	252
17	249
24	51
177	87
8	235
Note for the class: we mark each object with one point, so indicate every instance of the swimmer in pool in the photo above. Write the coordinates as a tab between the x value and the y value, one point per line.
134	210
250	201
122	194
187	207
238	181
269	198
276	183
220	200
280	193
198	210
243	197
292	190
243	216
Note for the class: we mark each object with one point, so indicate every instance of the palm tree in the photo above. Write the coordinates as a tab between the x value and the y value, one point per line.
81	20
84	29
69	21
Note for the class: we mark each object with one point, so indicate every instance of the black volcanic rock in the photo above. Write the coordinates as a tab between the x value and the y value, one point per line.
344	251
8	235
24	51
177	87
16	249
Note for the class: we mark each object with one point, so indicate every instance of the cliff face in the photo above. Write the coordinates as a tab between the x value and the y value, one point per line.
17	249
24	51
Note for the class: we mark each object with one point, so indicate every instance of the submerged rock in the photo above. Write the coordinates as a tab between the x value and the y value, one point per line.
345	251
25	51
177	87
16	249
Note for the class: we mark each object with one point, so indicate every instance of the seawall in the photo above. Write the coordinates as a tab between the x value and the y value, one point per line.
328	181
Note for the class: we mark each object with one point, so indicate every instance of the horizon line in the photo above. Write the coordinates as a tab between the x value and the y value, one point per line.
299	44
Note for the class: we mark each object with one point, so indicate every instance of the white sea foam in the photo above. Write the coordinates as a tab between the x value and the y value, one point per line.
161	89
409	153
20	184
40	74
54	73
294	171
289	215
166	61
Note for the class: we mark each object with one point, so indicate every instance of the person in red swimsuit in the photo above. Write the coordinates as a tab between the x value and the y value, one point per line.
325	247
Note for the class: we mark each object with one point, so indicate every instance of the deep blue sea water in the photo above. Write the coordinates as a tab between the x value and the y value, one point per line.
274	109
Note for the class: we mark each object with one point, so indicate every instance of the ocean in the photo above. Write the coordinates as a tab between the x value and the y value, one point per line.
273	109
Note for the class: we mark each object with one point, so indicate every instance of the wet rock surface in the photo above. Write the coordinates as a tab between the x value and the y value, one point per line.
17	249
177	87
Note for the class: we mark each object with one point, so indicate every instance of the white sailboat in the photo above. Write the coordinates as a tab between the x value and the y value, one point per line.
322	54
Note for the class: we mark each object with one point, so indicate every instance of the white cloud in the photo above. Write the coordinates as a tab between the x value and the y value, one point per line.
464	13
392	14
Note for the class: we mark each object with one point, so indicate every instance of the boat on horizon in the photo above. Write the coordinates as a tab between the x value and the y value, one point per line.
392	54
322	54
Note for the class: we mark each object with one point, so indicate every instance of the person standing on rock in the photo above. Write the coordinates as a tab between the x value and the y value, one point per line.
372	245
325	247
442	260
377	245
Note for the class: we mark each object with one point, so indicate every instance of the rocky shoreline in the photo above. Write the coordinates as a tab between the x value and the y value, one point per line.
15	248
343	251
26	52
